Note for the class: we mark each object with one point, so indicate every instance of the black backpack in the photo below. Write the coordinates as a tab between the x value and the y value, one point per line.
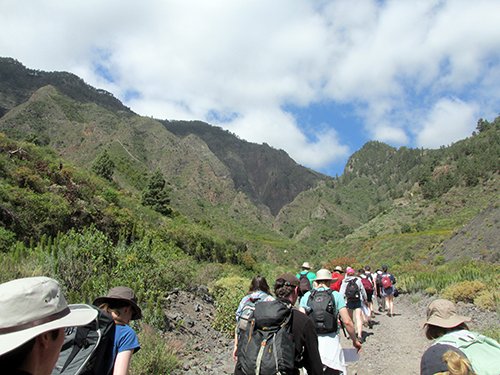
323	311
88	350
352	290
267	346
304	284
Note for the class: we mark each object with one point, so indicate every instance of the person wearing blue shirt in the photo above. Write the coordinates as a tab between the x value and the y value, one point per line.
330	349
121	304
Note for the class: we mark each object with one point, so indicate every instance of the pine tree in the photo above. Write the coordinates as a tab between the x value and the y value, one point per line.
104	166
155	195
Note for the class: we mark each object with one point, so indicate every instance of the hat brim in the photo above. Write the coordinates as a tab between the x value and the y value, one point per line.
449	322
79	315
137	310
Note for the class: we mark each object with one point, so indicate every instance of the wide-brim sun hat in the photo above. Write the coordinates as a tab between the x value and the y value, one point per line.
323	275
338	269
443	313
34	305
306	265
121	293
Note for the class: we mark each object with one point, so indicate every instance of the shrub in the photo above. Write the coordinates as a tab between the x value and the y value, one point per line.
228	293
464	291
488	300
156	356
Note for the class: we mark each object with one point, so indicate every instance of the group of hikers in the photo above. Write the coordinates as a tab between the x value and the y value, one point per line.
291	330
297	330
36	321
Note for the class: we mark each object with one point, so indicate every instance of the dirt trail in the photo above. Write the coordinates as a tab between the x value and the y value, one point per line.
392	347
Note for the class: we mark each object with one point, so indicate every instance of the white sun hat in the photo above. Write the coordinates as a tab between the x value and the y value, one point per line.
34	305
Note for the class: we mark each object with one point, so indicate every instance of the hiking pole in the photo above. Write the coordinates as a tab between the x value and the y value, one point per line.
343	327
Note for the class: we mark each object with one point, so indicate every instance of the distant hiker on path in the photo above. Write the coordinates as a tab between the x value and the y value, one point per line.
121	304
257	292
354	293
305	275
387	288
324	306
33	315
451	334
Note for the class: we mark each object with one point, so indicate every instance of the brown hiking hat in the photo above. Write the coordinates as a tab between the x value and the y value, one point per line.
289	278
443	313
121	293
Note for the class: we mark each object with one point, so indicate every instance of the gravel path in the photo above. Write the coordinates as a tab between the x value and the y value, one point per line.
392	347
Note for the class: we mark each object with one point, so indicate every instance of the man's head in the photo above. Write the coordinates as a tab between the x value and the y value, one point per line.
33	315
286	287
323	277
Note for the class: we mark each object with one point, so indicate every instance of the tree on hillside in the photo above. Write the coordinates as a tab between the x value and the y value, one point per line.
155	195
104	166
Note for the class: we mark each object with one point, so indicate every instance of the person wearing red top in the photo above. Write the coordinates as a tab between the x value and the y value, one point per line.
337	277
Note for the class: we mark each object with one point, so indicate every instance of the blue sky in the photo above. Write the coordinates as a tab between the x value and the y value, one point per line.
317	79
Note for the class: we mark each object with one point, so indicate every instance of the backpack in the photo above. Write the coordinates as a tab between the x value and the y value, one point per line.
304	284
323	311
352	290
386	281
267	346
367	284
482	352
246	313
88	350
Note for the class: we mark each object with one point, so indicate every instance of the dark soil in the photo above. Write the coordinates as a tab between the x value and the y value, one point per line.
393	346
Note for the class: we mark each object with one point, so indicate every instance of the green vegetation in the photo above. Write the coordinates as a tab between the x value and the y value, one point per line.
96	196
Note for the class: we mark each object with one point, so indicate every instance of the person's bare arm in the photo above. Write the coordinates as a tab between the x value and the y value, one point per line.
122	362
349	326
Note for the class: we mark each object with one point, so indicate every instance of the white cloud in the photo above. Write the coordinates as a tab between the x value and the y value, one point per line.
450	120
392	61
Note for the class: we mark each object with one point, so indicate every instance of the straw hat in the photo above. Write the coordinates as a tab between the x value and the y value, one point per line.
34	305
323	274
442	313
306	265
121	293
338	269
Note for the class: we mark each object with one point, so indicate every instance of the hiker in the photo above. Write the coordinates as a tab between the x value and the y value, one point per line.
354	293
121	304
366	305
302	331
378	291
370	290
337	277
324	306
387	289
450	333
305	275
258	291
33	316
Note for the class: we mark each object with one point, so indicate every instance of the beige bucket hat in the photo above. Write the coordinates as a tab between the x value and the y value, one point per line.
443	313
34	305
306	265
323	274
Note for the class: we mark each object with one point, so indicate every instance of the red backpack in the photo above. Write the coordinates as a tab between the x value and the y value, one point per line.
386	281
367	284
